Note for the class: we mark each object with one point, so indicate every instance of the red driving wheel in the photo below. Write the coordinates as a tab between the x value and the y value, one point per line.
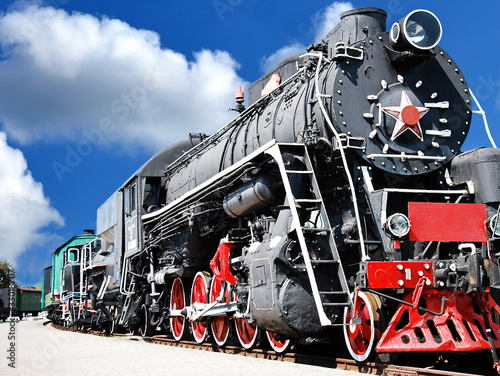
361	339
247	333
199	294
280	345
178	325
220	325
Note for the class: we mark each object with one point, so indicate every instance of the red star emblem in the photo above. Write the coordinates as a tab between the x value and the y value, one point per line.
407	117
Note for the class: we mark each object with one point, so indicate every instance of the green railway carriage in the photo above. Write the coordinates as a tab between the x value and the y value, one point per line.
67	253
24	301
28	301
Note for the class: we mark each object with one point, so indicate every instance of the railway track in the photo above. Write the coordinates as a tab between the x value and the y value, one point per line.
433	364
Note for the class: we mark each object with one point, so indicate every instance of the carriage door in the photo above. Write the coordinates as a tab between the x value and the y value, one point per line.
131	230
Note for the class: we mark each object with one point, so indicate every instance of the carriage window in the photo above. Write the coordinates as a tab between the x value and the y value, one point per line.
151	193
72	255
130	201
132	198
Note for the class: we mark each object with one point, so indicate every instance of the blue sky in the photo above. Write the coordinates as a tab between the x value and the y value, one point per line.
89	90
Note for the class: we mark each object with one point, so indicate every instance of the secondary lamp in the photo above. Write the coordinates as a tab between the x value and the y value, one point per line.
398	225
495	225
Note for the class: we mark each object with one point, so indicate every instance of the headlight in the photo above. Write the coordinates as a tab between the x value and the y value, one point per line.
398	225
420	29
495	225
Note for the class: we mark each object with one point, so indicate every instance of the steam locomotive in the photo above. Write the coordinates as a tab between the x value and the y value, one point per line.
338	200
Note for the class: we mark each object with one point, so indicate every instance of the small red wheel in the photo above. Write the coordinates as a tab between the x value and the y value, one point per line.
247	333
278	344
361	339
199	294
220	324
178	325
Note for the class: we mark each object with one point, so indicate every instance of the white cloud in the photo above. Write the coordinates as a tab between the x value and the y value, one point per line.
24	209
325	20
269	62
322	21
63	75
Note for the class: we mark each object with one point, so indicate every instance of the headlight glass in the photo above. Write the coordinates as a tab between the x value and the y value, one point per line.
422	29
495	225
398	225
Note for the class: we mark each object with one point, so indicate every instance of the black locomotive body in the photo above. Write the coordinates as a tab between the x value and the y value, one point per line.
338	197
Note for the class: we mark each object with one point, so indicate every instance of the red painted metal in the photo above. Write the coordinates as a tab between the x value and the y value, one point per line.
247	332
219	324
178	326
239	94
410	115
460	328
360	338
418	291
199	294
222	258
434	221
280	345
398	274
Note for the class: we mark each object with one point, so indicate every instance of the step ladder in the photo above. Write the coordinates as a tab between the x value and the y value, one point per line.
126	305
104	287
321	290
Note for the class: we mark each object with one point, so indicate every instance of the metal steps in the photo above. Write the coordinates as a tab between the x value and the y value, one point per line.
126	305
324	262
305	229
